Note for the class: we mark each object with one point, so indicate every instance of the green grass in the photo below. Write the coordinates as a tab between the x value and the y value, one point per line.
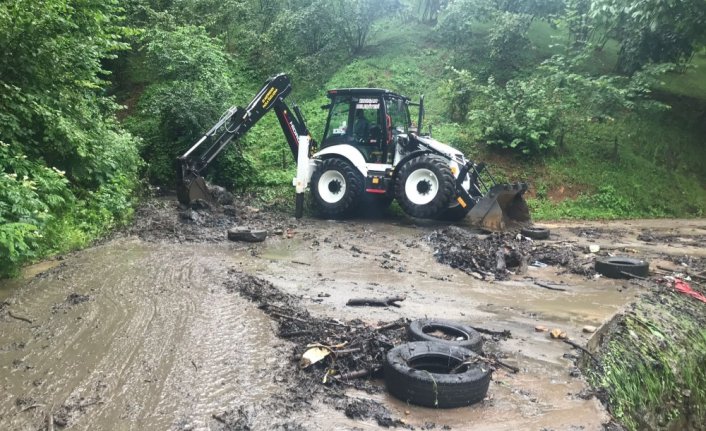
652	368
692	83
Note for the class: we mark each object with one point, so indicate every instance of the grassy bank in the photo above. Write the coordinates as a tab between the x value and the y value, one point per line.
651	373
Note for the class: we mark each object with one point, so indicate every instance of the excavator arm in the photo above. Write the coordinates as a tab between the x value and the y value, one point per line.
235	123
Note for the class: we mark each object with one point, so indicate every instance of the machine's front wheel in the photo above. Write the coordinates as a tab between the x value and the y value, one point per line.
455	213
425	186
336	186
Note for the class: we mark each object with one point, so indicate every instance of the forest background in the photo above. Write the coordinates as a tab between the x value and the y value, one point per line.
599	104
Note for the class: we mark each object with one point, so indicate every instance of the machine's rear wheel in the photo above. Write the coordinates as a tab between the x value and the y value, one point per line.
425	187
336	186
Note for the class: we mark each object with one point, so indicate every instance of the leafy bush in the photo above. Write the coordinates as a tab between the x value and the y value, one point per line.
62	145
190	92
530	114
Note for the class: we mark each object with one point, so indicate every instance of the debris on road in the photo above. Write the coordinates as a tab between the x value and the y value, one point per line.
535	232
557	333
376	302
683	287
589	329
242	233
495	256
622	267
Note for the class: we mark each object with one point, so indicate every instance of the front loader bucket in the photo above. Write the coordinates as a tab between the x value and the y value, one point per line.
188	192
502	205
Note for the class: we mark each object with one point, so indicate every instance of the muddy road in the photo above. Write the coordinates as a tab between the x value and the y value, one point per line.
142	332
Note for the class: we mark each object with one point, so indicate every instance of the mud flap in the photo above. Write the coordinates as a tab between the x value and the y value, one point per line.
193	190
503	204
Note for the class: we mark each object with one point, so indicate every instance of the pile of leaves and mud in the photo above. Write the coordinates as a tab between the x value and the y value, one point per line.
649	236
499	255
649	370
165	219
337	355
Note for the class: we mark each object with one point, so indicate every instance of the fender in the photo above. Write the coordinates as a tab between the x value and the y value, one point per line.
407	158
348	152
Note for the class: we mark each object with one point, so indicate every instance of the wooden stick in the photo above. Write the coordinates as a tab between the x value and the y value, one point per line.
33	406
514	369
633	275
294	334
503	333
286	316
581	348
546	286
393	325
14	316
382	302
346	351
355	374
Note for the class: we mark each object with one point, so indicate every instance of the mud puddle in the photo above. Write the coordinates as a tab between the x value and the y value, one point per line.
133	336
142	333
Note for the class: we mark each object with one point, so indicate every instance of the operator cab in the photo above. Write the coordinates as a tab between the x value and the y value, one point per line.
369	119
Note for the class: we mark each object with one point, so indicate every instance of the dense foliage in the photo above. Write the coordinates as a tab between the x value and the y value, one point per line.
67	169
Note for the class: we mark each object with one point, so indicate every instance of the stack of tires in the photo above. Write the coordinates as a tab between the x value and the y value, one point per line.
440	368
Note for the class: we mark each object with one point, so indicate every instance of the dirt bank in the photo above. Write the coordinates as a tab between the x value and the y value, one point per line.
146	331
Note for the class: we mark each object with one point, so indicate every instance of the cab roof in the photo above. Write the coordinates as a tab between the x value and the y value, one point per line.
364	92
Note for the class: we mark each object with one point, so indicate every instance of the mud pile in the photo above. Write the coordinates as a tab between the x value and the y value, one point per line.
498	255
165	219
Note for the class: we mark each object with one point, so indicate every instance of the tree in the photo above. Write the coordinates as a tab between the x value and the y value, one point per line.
65	163
355	18
190	91
657	31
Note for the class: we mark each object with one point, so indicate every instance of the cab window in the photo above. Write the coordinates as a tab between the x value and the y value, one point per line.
339	119
399	115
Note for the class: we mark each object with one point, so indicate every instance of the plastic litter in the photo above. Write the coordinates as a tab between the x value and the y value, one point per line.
683	287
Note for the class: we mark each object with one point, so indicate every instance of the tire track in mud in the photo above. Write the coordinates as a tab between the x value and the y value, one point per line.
158	343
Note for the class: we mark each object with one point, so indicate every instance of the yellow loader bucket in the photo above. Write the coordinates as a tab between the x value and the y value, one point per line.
500	207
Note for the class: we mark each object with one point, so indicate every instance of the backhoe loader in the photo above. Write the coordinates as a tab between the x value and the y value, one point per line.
371	154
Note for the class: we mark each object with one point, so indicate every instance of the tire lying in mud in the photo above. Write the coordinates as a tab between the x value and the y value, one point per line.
425	187
622	267
336	187
434	374
445	331
535	232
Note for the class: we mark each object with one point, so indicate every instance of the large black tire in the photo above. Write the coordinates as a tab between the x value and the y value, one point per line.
419	373
425	186
535	232
455	213
622	267
336	187
452	333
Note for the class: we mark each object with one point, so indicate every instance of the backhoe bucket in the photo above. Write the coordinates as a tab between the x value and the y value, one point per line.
502	205
188	192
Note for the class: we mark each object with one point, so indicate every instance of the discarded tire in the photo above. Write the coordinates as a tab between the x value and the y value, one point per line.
622	267
336	186
433	374
445	331
535	232
425	187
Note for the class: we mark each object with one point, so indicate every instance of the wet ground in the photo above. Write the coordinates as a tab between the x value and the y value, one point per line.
145	331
